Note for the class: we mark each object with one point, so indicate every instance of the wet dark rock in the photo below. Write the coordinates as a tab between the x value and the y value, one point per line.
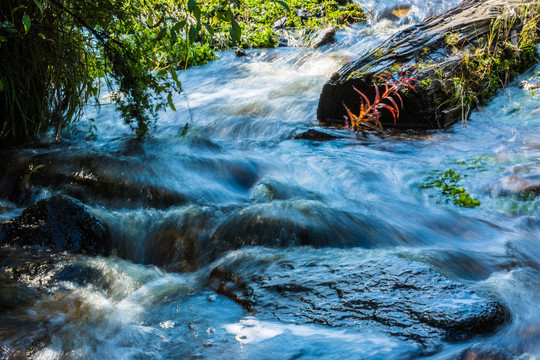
59	223
282	42
239	52
415	48
312	134
324	37
86	175
29	274
405	299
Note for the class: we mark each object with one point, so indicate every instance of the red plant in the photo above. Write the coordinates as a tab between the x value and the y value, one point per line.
370	111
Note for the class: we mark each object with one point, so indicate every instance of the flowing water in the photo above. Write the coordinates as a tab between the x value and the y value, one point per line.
252	194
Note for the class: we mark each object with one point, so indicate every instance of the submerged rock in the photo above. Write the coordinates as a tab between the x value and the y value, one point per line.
239	52
59	223
521	182
395	13
405	299
298	222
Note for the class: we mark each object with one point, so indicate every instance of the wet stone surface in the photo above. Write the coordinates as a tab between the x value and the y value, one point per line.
59	223
405	299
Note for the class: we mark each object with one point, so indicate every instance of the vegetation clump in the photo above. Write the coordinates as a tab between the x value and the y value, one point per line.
263	22
508	50
55	56
448	184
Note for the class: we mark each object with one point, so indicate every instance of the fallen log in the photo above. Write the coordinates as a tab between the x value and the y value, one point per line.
460	59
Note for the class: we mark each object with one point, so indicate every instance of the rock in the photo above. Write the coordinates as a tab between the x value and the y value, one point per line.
521	182
404	299
59	223
312	134
280	23
239	52
423	49
269	190
304	14
530	84
324	37
298	222
86	175
282	42
395	13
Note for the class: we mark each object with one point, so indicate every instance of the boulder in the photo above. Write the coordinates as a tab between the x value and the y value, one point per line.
298	222
89	176
59	223
312	134
324	37
402	298
435	52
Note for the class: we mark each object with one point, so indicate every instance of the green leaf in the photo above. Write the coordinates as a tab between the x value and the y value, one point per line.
284	5
1	85
26	22
179	25
39	5
209	28
192	34
175	78
161	34
197	14
169	100
235	31
192	4
229	15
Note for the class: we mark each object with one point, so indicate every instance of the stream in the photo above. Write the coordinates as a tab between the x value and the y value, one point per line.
230	194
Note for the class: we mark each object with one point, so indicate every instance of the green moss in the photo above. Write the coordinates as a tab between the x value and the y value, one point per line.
397	67
378	54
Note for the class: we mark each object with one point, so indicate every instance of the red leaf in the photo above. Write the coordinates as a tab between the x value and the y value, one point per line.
400	99
364	96
395	105
391	110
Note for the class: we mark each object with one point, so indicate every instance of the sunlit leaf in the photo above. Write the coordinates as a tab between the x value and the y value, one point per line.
27	23
284	5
